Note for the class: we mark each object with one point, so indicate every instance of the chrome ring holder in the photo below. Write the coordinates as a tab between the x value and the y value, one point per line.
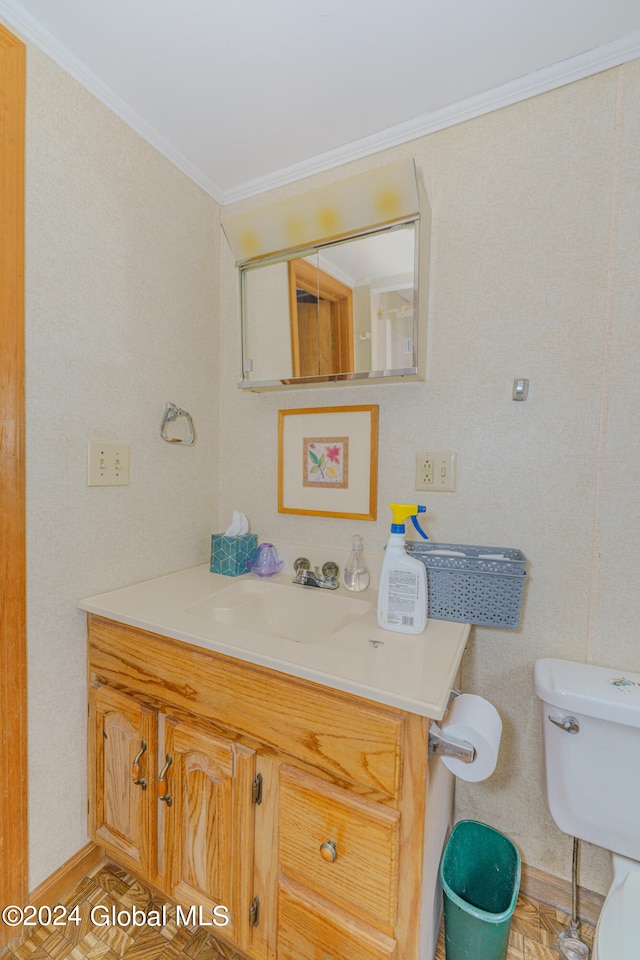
171	413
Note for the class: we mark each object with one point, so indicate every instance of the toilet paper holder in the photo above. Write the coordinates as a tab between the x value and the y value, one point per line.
444	745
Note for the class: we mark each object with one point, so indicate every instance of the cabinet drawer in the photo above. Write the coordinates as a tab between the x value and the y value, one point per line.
357	866
310	929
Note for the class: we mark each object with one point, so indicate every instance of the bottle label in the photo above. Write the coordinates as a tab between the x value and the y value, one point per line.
403	597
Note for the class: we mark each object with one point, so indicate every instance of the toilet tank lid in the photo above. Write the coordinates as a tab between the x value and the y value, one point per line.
601	692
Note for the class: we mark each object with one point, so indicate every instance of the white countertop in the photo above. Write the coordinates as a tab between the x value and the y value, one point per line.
412	672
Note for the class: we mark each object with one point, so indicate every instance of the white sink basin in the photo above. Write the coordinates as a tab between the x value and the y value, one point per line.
327	637
302	614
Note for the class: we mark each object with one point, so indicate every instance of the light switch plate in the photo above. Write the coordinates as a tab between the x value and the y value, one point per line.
107	464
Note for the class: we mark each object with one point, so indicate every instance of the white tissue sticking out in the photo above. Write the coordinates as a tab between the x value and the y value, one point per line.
239	525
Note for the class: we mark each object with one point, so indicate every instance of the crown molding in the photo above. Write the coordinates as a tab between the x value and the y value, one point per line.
30	29
541	81
531	85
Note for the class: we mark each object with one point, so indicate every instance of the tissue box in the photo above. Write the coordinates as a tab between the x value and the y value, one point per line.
230	555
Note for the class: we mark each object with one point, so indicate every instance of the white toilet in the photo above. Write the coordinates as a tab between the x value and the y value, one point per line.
591	732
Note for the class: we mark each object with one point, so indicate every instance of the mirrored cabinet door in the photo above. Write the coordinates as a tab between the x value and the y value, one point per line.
340	311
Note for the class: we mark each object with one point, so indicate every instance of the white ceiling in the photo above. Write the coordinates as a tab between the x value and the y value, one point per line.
247	94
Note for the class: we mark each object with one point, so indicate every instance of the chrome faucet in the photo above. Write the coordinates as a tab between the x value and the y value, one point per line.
326	580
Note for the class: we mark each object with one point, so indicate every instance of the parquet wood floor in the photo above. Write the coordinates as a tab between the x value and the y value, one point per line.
534	932
534	929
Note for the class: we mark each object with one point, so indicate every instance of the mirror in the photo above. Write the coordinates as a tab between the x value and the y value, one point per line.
339	311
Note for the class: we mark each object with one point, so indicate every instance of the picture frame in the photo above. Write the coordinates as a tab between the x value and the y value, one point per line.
328	461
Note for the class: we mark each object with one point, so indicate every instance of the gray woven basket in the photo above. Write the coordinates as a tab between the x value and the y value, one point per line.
480	585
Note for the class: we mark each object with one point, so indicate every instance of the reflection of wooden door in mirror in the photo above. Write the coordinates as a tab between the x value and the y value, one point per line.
321	309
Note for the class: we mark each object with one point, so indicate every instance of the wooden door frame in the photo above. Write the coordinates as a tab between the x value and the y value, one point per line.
309	277
13	654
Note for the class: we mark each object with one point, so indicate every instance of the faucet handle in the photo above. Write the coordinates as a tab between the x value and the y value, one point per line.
301	564
330	570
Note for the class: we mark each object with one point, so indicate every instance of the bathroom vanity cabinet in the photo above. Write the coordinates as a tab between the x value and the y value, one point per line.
312	815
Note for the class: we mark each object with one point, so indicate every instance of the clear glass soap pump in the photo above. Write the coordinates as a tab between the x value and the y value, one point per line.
356	572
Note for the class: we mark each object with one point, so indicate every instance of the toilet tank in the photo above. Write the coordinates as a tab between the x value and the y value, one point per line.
592	776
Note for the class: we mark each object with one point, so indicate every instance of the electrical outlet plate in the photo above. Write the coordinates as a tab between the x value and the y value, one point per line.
436	471
107	464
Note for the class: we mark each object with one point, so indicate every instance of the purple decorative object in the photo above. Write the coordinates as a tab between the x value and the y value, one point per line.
265	563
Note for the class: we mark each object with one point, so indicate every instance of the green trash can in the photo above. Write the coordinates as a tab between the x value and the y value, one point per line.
480	876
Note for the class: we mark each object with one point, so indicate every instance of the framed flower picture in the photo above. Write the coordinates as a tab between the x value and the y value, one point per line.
328	461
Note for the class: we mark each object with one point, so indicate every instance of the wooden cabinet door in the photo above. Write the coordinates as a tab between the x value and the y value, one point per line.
122	796
209	827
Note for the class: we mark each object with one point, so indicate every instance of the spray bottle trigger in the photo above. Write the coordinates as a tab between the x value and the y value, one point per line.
414	521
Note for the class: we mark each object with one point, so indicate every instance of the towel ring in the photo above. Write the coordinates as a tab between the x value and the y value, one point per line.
171	413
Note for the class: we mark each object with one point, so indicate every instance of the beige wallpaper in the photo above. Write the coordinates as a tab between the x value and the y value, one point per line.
122	316
534	274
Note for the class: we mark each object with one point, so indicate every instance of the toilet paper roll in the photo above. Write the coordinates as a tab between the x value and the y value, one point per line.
474	719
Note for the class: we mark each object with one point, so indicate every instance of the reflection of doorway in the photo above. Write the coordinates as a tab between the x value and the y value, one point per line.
392	328
13	728
321	310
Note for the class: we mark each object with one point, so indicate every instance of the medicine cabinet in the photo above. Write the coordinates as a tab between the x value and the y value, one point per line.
334	283
335	312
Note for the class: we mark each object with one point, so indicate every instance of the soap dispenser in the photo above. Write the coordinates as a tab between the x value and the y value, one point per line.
356	572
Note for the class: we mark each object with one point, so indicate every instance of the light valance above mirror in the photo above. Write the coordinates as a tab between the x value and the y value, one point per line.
381	196
329	283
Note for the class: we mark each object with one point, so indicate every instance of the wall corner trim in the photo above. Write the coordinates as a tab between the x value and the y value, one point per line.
67	876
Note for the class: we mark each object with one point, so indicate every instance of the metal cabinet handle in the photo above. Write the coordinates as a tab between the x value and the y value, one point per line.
135	767
166	796
328	851
568	724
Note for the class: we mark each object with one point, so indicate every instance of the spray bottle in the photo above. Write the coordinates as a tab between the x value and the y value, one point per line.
403	593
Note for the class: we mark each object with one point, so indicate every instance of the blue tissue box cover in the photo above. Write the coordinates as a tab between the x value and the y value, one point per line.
230	555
